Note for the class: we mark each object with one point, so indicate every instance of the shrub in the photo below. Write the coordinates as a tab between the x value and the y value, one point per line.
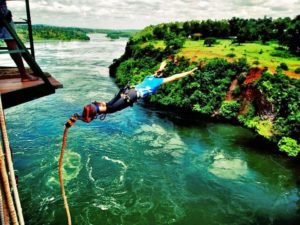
297	70
289	145
261	52
282	54
229	109
280	48
210	41
230	55
283	66
255	62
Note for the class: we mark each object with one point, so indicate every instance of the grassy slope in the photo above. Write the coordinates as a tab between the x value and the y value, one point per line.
195	50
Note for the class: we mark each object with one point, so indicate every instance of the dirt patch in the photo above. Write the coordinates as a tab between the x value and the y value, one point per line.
288	73
253	75
233	85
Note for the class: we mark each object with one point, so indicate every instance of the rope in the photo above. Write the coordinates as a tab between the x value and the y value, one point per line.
6	190
60	174
1	199
4	176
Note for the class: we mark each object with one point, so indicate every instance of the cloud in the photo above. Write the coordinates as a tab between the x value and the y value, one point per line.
140	13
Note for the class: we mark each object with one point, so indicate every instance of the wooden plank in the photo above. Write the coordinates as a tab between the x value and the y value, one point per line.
15	92
14	84
12	72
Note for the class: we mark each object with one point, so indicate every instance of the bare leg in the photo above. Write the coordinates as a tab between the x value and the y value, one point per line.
12	45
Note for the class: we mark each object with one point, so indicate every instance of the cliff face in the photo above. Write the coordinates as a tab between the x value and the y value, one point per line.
267	103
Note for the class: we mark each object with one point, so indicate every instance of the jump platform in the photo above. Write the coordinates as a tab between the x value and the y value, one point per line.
15	92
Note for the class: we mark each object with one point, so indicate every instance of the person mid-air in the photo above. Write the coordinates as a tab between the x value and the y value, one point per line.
129	95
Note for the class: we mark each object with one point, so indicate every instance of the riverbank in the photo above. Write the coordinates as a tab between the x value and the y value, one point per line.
230	89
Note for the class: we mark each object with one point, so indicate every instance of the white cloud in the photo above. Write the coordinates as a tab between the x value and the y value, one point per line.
140	13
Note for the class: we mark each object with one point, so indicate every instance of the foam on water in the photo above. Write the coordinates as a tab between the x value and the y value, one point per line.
120	162
71	169
228	168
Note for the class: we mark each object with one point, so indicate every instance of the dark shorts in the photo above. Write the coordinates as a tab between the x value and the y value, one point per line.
122	100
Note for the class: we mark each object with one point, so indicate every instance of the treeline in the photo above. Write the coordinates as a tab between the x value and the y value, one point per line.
268	104
285	30
115	34
41	32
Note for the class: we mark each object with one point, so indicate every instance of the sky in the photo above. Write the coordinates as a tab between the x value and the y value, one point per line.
136	14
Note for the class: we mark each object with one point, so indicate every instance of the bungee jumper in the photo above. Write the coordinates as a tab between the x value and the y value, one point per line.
128	95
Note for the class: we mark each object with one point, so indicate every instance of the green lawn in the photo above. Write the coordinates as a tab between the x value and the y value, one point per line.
254	53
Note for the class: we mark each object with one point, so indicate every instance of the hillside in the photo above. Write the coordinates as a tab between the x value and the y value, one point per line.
241	78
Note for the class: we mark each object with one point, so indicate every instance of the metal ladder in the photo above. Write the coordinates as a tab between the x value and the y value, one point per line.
23	50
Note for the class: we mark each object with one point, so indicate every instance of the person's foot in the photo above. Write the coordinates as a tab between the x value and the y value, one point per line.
27	78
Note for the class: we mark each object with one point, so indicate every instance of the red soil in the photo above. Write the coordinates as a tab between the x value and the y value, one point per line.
253	75
250	93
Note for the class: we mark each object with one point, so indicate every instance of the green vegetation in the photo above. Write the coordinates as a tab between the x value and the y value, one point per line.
289	146
209	41
226	86
283	66
229	109
41	32
115	34
230	55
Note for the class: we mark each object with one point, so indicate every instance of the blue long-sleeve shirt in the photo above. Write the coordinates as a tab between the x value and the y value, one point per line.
149	86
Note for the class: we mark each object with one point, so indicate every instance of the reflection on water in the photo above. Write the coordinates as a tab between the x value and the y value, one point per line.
140	166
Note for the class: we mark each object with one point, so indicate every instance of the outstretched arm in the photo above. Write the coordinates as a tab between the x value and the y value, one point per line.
161	68
178	76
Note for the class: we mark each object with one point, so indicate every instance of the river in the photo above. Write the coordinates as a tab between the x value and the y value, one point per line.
142	165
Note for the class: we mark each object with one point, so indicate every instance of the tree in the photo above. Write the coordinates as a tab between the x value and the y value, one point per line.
209	41
173	43
159	32
293	36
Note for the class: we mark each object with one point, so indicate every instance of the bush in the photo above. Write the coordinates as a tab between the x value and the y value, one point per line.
255	62
282	54
289	145
283	66
229	109
230	55
280	48
261	52
297	70
210	41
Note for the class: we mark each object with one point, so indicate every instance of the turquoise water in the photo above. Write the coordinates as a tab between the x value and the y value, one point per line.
141	166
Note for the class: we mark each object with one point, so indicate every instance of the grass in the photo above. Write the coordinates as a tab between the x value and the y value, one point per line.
256	53
156	44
